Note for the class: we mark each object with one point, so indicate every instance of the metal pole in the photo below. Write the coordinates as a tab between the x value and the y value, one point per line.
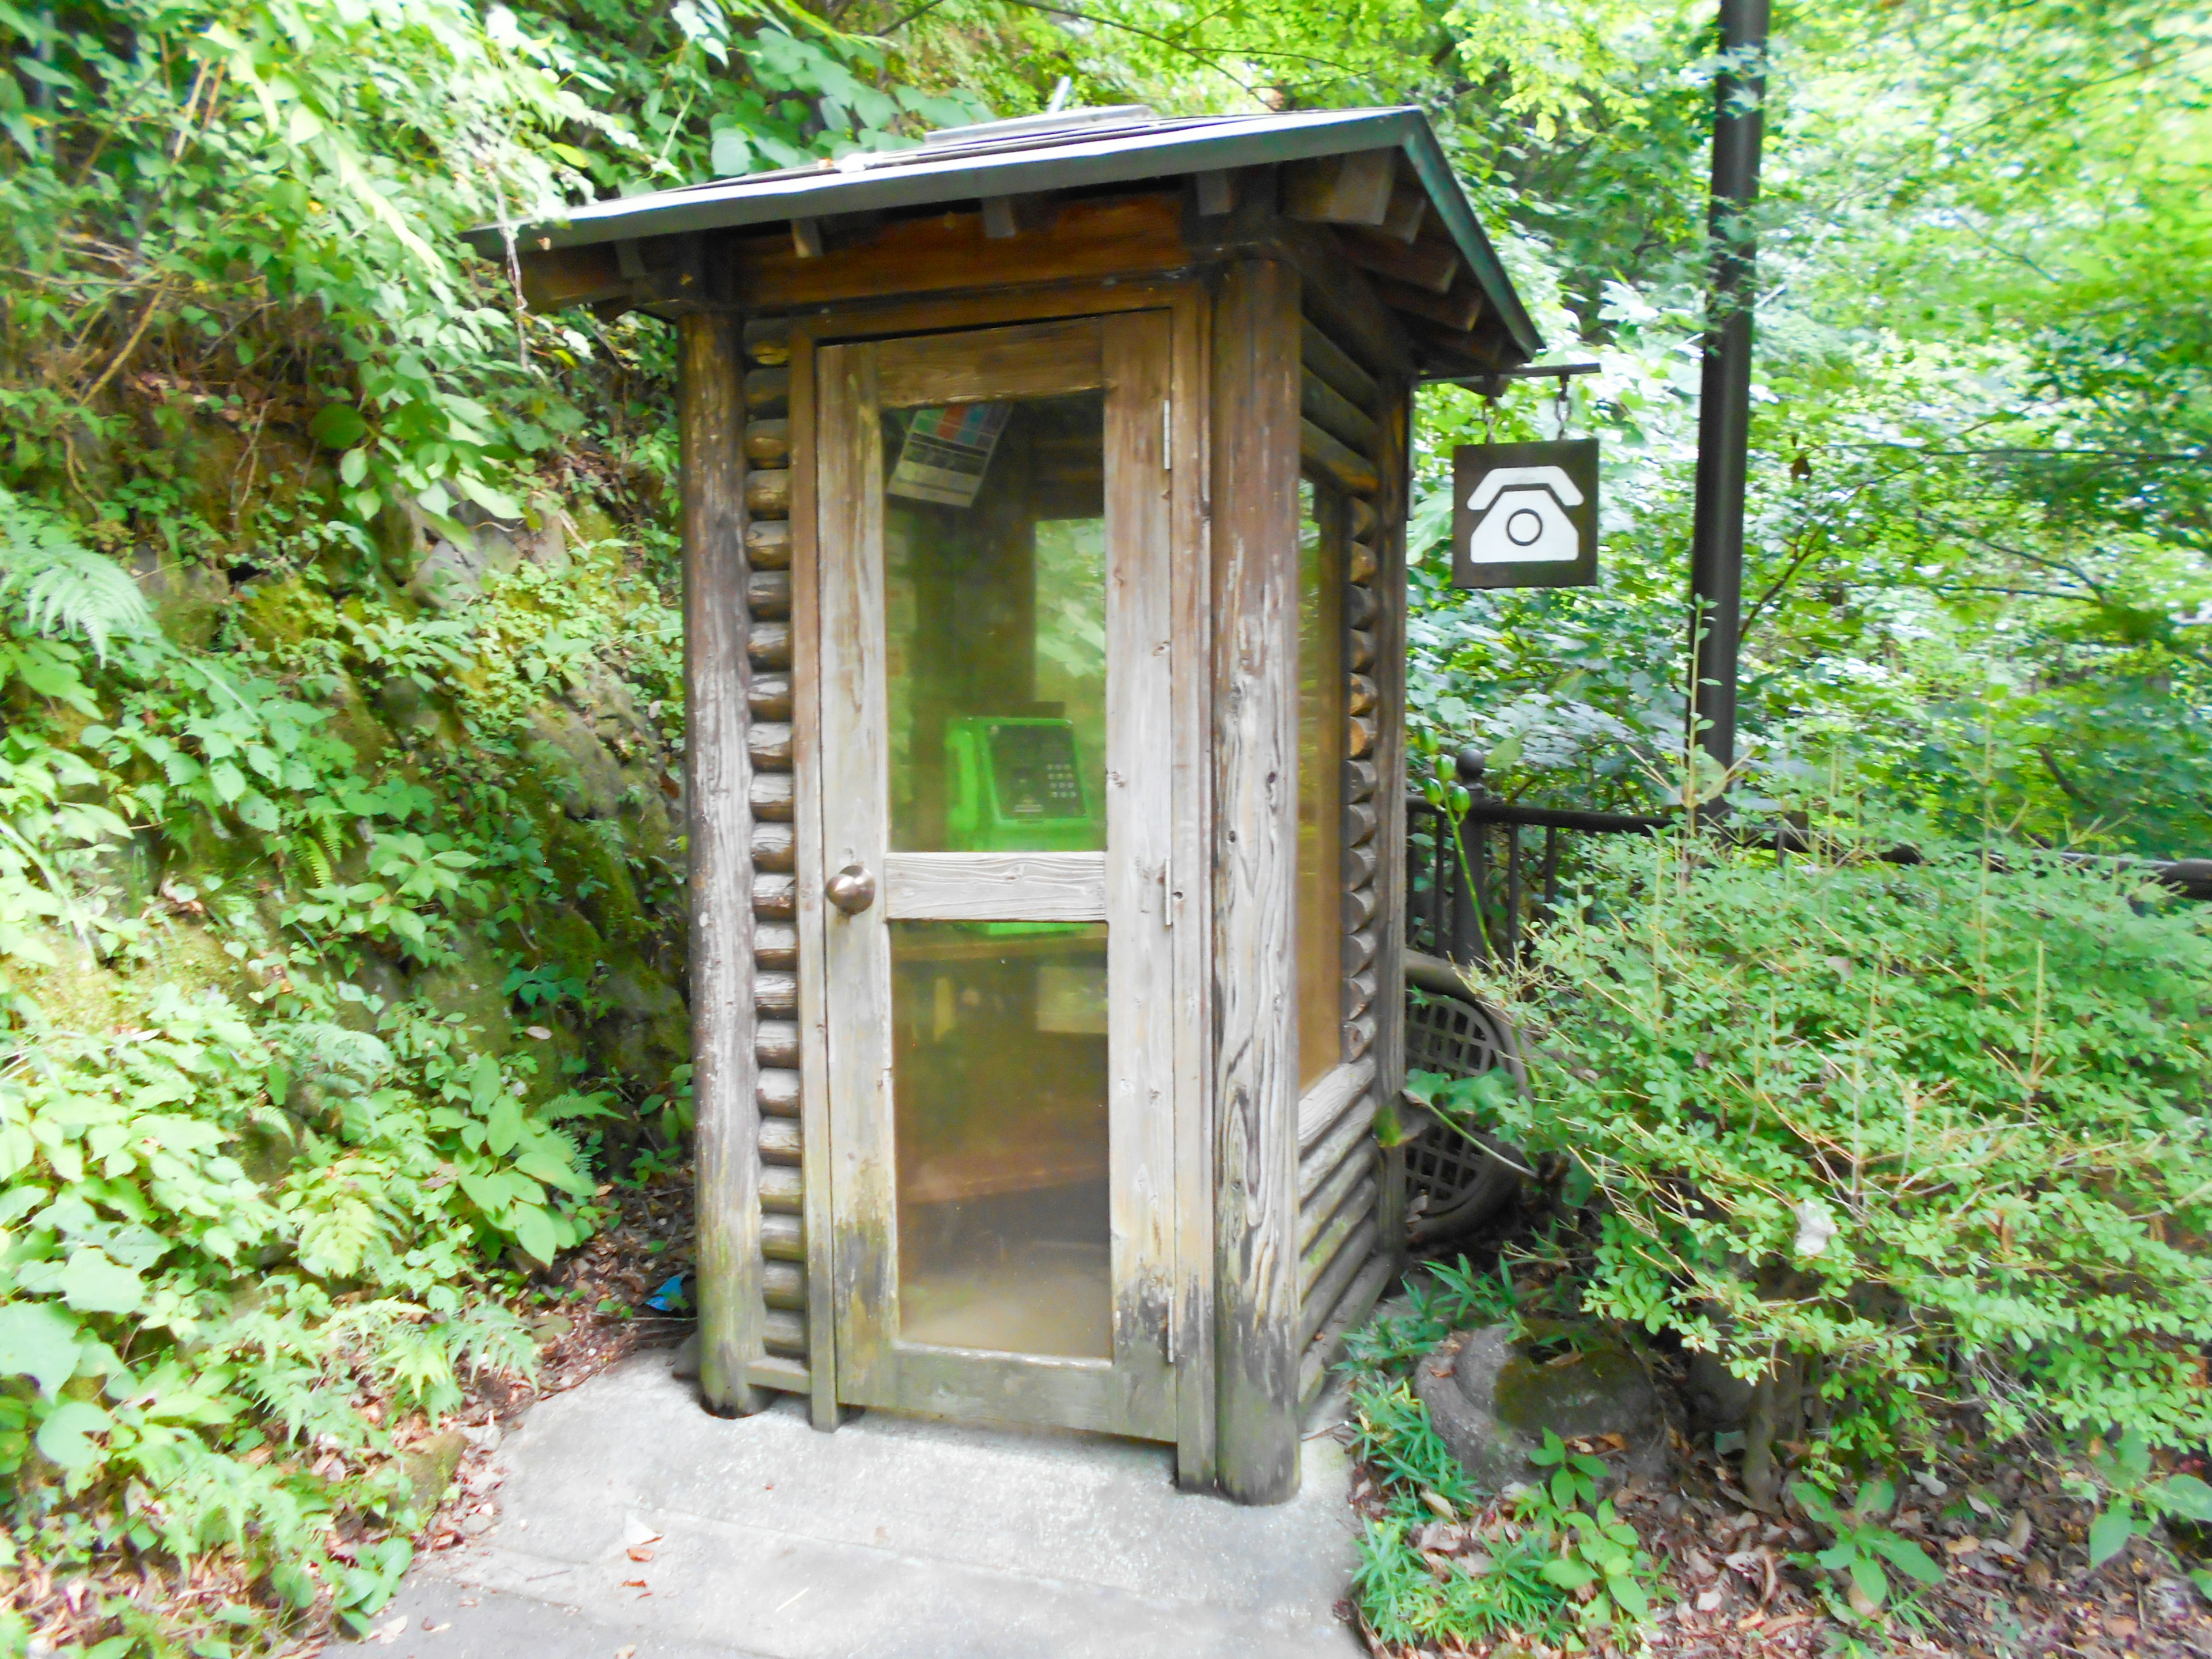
1724	403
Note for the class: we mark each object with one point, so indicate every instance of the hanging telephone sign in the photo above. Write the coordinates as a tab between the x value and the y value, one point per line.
1525	515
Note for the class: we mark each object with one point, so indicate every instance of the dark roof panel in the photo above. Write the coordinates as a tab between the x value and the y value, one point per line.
1027	155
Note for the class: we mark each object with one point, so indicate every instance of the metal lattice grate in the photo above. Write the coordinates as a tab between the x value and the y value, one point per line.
1462	1181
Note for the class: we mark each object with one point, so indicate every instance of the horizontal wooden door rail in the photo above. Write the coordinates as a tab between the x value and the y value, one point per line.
995	887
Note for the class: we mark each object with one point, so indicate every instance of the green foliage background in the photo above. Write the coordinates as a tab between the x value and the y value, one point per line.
337	630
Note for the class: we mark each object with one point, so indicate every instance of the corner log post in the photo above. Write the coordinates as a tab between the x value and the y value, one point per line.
1256	429
717	685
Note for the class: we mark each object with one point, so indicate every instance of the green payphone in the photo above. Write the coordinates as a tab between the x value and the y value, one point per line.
1015	788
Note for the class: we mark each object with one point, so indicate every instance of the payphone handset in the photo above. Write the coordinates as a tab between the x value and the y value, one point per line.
1015	788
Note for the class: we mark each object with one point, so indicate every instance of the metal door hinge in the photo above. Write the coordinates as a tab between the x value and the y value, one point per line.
1167	435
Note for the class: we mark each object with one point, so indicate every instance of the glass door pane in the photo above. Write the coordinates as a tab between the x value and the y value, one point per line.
995	575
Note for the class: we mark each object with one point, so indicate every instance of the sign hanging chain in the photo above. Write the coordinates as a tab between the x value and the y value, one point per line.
1489	420
1559	409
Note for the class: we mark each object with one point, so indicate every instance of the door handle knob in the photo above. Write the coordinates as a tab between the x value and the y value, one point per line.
852	890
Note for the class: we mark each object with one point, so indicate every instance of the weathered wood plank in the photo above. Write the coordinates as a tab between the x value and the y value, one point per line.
1039	359
1190	893
997	886
1139	865
783	1284
768	644
1430	265
945	252
813	1104
1352	1125
785	1375
767	442
1255	444
782	1190
784	1334
780	1141
1329	1099
775	897
1325	358
1359	950
1335	413
1395	463
776	993
1351	1311
850	766
1346	468
778	1093
776	1042
715	677
767	340
770	697
768	543
1341	302
771	795
773	846
1333	1186
768	391
783	1238
768	594
768	492
775	945
1359	564
768	742
1360	861
1336	1256
1340	190
1459	310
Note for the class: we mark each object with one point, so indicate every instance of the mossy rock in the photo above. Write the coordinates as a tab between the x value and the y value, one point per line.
469	986
591	859
283	611
430	1464
1493	1394
577	770
186	597
647	1031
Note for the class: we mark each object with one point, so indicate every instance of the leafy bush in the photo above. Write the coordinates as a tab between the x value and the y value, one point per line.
1890	1138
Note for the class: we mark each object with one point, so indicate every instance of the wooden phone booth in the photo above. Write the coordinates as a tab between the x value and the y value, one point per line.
1044	495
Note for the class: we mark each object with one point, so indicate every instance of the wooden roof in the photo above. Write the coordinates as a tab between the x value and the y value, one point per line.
1376	178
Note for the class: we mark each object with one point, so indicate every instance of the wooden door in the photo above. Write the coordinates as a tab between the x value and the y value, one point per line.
997	745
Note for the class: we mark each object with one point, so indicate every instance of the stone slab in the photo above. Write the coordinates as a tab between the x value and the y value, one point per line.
898	1538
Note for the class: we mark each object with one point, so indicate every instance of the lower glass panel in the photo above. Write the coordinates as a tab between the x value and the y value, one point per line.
998	1091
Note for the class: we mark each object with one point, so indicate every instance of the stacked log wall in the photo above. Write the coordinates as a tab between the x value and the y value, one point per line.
1347	1244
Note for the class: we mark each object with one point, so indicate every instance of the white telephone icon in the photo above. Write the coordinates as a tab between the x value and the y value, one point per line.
1524	519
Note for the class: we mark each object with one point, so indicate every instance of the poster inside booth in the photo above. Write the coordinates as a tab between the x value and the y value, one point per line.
1525	515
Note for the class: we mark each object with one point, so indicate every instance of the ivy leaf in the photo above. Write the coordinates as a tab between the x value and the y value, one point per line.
503	1125
38	1341
2185	1495
338	426
2109	1532
65	1437
533	1230
90	1283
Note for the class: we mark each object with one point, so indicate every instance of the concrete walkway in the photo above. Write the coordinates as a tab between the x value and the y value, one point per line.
893	1538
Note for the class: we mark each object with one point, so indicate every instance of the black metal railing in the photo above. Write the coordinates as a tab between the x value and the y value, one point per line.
1473	898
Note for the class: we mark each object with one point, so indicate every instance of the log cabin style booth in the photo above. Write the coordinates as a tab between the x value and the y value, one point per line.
1044	497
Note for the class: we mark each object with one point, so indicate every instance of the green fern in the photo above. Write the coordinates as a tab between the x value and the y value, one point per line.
61	585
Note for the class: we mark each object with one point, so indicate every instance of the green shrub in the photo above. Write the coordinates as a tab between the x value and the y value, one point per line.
1888	1138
